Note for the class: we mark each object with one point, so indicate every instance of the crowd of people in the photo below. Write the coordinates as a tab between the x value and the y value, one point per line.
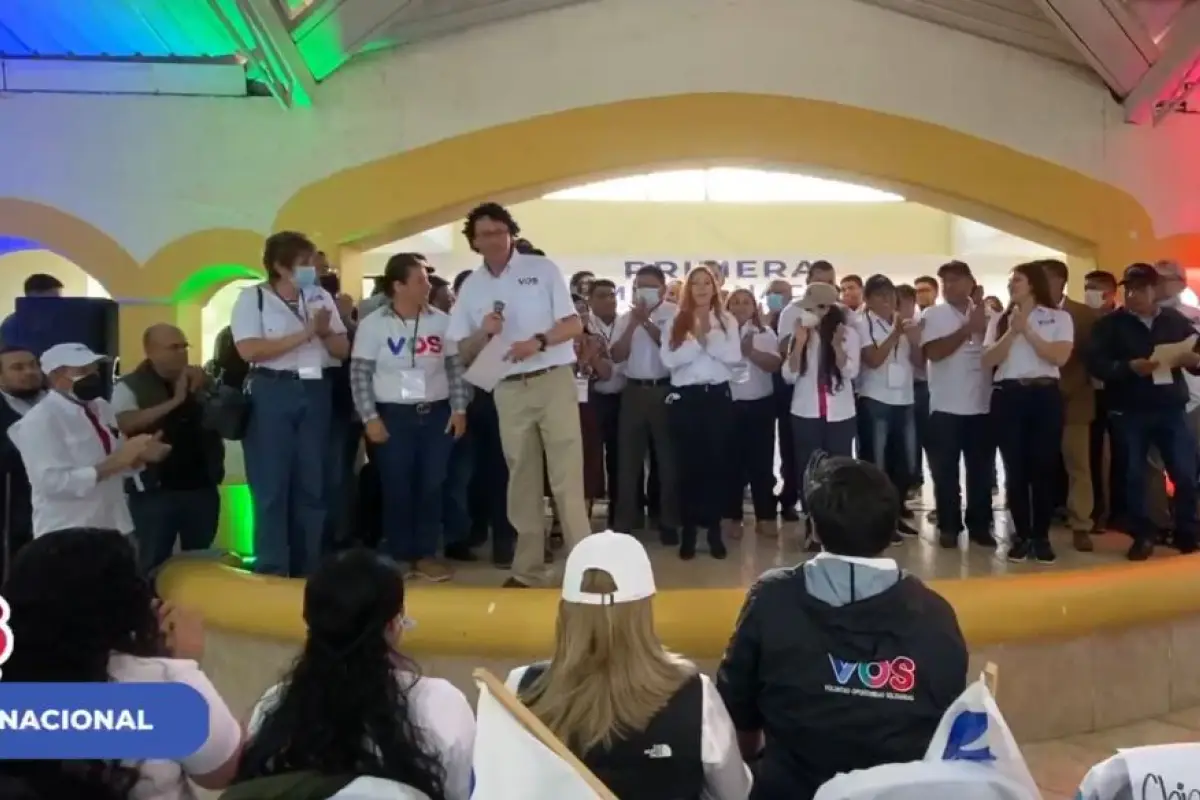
354	718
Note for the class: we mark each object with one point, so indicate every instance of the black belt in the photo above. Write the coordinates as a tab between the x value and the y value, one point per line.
648	381
419	408
524	376
285	374
703	387
1010	382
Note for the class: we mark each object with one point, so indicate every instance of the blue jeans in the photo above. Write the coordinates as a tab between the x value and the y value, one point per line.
412	469
159	517
893	430
285	448
1168	432
456	515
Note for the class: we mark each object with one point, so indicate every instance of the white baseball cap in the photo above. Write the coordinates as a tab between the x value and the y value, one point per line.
618	554
68	354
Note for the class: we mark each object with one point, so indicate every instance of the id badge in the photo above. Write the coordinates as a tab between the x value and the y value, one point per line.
311	373
581	389
412	385
896	375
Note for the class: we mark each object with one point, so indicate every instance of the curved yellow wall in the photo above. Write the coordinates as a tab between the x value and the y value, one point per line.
415	190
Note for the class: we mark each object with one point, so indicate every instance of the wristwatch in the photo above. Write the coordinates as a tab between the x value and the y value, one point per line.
541	340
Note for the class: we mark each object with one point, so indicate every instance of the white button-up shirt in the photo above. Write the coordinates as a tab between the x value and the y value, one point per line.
61	448
617	382
1022	361
277	320
695	364
891	382
645	357
957	384
758	382
535	297
839	400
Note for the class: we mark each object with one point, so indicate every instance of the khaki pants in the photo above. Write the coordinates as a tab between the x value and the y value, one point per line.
1076	452
541	435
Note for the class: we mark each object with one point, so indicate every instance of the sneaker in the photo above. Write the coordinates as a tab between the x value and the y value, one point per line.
1141	550
983	538
1018	551
789	515
716	545
513	583
1082	541
897	539
1043	553
906	529
948	540
459	551
687	544
932	517
432	570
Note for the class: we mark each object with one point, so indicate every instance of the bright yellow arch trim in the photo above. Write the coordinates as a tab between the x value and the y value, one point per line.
88	247
1027	196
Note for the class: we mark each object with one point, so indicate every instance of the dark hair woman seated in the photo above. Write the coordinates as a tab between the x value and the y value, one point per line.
83	613
354	714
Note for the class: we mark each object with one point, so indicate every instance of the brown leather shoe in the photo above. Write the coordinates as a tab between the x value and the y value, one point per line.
1083	541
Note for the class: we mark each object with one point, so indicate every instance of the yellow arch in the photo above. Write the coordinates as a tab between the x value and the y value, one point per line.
87	246
1027	196
192	268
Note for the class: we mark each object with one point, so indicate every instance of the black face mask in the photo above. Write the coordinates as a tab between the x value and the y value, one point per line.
331	283
88	388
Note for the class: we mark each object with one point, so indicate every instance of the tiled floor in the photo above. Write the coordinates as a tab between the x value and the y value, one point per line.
752	555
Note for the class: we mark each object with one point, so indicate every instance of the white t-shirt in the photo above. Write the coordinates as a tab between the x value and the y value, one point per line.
758	382
645	358
398	346
535	297
726	775
1022	361
892	381
957	383
439	710
616	383
806	397
277	320
167	780
694	364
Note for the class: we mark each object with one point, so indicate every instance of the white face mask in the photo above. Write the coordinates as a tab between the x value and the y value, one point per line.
647	295
808	318
1093	298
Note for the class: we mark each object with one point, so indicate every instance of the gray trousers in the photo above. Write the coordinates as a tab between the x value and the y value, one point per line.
644	419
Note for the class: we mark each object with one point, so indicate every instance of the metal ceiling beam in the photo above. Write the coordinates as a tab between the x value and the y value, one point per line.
271	51
1109	37
1168	82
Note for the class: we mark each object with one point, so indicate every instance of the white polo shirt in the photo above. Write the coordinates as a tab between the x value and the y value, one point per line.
806	397
535	297
398	345
616	383
277	320
711	363
758	382
645	357
957	384
891	382
61	448
1022	361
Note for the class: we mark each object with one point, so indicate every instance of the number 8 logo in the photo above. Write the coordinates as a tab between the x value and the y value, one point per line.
6	634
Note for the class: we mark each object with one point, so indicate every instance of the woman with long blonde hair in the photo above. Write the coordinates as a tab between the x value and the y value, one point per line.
644	720
752	456
701	351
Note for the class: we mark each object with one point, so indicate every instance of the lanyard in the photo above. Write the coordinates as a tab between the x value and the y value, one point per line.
105	436
303	306
871	331
415	338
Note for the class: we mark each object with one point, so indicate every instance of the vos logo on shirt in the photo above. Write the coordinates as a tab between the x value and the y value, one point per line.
527	281
425	346
894	679
6	633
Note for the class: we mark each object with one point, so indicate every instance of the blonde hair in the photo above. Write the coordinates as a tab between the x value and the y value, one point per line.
609	675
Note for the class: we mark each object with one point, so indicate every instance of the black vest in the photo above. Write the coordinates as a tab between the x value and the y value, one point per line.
664	761
197	457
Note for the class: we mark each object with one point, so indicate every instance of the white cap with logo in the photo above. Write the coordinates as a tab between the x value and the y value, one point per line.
620	555
68	354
